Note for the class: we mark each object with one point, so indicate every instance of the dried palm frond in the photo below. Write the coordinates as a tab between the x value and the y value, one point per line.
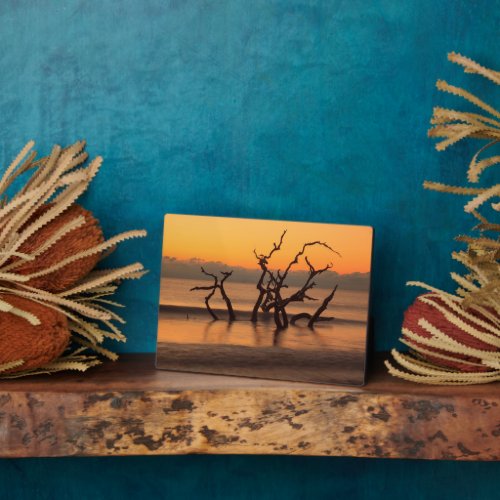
437	357
55	182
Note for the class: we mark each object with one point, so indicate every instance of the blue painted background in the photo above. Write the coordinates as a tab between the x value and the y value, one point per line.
301	110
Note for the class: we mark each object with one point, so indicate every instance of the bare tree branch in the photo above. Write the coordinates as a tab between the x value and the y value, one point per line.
301	294
301	252
218	285
276	247
213	289
263	261
316	316
276	284
229	306
313	318
209	274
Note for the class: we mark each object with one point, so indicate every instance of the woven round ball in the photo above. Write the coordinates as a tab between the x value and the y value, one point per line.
421	310
36	345
77	240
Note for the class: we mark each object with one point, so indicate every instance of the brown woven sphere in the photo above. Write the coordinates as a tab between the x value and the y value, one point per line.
77	240
436	318
36	345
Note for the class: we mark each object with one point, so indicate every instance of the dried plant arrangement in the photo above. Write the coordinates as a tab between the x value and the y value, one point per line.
454	339
55	308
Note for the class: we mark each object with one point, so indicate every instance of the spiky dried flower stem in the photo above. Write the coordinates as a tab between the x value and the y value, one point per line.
476	303
58	180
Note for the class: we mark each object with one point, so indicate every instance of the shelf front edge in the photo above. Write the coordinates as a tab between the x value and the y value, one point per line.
268	418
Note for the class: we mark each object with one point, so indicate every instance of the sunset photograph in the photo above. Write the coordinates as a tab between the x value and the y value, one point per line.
259	298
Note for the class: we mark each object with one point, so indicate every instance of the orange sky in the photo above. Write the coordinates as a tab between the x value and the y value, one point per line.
232	241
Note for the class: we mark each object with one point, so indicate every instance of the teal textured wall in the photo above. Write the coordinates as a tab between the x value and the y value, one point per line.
301	110
245	478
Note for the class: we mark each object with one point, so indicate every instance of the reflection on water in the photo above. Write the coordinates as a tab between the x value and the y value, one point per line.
174	327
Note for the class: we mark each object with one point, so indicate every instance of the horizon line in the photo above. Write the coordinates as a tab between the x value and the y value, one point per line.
257	269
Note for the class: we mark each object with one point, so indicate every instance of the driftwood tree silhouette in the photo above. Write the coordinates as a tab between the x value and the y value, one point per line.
217	285
271	288
264	291
276	283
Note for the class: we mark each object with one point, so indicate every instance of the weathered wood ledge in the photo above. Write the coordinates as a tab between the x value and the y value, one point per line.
129	408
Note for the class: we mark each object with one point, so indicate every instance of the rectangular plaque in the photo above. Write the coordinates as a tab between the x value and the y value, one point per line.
261	298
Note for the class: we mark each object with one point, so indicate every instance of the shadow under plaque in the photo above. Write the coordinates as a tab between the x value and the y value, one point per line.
268	299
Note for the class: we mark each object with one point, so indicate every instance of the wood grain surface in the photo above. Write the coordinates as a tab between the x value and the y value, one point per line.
129	408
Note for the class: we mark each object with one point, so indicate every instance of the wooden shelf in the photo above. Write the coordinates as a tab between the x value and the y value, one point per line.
129	408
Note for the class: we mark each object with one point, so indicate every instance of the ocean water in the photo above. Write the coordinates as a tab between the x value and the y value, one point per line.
195	327
346	305
331	352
